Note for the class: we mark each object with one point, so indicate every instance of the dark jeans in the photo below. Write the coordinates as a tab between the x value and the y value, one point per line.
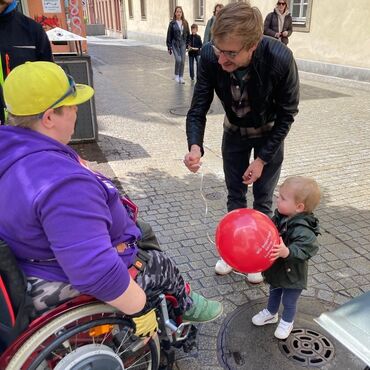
192	59
236	152
290	299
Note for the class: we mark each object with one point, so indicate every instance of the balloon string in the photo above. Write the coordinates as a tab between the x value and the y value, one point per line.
206	214
205	204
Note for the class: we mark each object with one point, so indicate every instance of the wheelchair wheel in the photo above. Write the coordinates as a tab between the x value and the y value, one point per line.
95	336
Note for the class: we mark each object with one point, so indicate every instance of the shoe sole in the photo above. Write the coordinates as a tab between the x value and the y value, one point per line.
272	321
255	282
223	273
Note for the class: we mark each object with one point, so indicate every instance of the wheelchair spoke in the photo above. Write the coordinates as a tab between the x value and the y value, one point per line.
138	362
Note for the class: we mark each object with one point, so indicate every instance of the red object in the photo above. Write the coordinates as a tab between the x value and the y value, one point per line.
244	239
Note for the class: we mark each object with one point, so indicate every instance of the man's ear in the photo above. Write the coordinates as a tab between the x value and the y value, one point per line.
300	207
47	118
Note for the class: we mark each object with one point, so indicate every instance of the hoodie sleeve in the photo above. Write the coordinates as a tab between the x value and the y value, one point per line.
75	217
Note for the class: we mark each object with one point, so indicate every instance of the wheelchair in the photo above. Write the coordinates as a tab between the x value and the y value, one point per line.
86	334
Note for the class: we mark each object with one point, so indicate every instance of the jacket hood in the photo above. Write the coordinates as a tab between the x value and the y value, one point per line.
303	219
17	143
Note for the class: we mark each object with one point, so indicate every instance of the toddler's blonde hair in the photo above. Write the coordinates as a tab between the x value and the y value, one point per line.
306	190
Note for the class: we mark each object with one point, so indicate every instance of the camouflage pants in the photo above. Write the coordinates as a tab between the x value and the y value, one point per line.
160	275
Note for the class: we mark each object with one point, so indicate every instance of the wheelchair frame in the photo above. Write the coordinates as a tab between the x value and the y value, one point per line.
172	333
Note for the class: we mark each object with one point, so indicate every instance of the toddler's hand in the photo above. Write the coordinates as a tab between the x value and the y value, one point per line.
279	250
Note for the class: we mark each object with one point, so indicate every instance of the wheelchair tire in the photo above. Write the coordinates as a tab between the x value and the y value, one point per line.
95	333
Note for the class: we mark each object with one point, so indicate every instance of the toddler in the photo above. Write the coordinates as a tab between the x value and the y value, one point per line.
298	228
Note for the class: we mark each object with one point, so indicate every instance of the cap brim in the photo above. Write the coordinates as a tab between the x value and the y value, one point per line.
83	94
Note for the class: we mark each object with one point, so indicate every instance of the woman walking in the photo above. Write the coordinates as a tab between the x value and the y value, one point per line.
177	41
278	23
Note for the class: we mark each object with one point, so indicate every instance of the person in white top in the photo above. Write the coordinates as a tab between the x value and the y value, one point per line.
178	35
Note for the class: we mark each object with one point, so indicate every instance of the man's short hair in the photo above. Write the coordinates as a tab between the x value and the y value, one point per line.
239	20
27	121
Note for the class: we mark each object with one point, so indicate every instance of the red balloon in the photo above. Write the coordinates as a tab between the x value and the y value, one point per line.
244	239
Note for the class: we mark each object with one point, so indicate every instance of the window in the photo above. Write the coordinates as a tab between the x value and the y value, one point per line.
172	7
143	9
130	10
199	10
301	14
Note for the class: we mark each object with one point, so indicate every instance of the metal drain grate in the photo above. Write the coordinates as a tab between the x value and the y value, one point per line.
308	348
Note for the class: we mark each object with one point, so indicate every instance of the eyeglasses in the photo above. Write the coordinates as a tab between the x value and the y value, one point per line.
281	3
228	54
72	90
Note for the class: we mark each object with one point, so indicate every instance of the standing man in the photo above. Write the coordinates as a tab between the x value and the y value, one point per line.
256	79
21	40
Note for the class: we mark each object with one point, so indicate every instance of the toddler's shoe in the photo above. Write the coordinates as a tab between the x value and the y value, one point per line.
283	330
264	317
255	278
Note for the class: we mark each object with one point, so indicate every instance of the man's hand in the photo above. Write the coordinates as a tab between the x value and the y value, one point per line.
253	172
146	325
279	250
192	159
284	33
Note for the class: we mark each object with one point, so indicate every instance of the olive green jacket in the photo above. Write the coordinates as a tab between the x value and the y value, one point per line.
299	234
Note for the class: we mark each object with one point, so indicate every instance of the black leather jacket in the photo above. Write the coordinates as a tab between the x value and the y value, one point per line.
273	91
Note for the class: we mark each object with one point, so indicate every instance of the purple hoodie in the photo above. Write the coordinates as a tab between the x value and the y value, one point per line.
54	208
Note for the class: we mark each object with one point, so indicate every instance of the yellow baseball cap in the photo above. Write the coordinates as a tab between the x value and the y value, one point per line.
34	87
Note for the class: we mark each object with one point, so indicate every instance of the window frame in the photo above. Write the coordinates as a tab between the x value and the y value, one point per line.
130	9
199	10
302	24
143	10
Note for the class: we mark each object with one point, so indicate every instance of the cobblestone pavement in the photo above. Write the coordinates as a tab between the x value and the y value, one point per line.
142	136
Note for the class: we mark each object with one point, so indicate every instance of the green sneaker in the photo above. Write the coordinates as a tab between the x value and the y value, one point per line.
203	309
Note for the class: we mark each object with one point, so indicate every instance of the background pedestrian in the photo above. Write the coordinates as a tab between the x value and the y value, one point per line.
21	40
279	23
207	32
195	44
177	42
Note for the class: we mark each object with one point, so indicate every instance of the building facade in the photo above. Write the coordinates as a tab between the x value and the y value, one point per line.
330	36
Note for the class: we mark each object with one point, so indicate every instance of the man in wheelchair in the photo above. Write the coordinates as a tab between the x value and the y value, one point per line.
68	227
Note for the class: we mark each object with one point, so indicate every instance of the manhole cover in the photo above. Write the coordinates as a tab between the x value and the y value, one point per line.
307	348
213	196
243	346
183	111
